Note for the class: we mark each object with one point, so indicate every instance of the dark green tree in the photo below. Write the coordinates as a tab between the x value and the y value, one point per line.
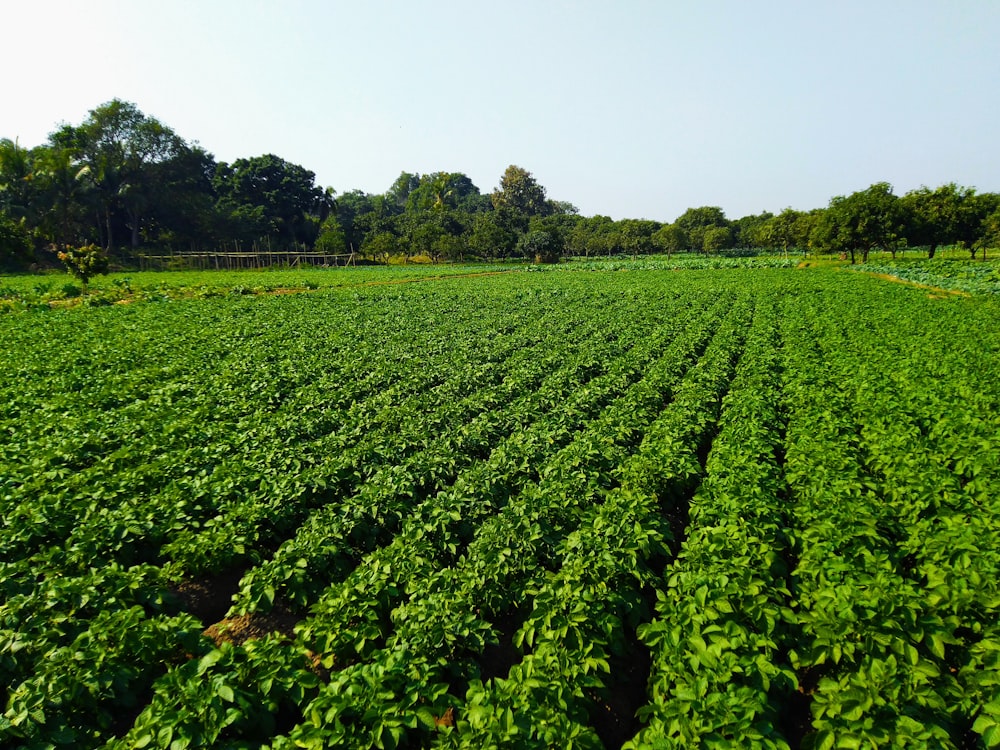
635	236
670	239
277	192
15	244
863	221
15	179
541	246
696	221
592	235
520	195
491	238
938	217
119	145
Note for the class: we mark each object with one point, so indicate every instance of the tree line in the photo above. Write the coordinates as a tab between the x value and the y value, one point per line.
125	182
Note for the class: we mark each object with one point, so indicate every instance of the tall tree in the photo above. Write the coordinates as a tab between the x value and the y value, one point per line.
938	217
520	194
64	195
119	145
696	221
635	236
670	238
279	192
490	237
863	221
15	178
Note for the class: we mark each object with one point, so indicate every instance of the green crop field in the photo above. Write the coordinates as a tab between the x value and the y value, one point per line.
639	506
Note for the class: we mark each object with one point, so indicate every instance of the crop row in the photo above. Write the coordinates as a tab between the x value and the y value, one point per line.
559	509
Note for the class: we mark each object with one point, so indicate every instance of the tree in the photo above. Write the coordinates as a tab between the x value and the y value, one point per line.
331	237
119	144
15	243
542	246
695	222
398	194
862	221
84	262
990	232
748	230
592	235
937	217
635	235
520	194
491	238
284	192
380	245
670	238
185	211
64	194
784	232
715	239
15	179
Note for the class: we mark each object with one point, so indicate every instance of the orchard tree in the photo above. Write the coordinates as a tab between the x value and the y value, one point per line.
490	237
863	221
785	231
938	217
380	245
541	246
670	239
990	236
520	195
591	235
747	231
696	221
716	239
331	239
635	236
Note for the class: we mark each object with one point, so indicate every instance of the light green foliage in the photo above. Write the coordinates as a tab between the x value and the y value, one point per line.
84	262
657	503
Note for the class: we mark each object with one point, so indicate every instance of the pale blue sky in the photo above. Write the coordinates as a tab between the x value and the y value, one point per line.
630	108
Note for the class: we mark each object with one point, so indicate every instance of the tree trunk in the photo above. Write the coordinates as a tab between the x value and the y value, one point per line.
110	237
931	250
134	217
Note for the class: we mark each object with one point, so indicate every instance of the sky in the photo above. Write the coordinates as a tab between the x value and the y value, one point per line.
626	108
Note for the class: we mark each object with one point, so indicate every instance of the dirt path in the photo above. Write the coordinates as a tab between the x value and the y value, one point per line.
938	292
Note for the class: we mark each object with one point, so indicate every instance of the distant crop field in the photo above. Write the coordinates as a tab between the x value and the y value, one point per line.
624	506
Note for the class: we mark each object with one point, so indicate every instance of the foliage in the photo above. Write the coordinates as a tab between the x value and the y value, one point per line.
541	246
84	262
15	243
695	501
277	193
863	221
520	194
697	221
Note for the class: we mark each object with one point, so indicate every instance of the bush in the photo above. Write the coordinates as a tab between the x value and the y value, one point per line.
84	262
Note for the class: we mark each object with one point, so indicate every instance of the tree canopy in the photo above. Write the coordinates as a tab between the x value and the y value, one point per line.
126	182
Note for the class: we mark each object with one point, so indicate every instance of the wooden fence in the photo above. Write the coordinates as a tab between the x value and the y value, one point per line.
241	260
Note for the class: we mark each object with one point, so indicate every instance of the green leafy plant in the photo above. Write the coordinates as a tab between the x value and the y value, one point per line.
84	262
